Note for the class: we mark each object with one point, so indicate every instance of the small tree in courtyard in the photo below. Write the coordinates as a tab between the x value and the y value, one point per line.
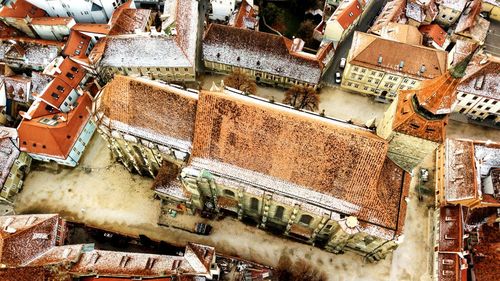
241	81
300	270
302	97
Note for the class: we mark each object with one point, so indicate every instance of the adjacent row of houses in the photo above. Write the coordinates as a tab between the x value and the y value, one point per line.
466	217
33	248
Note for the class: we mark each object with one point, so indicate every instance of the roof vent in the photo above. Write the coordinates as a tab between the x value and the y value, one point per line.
379	61
258	62
422	69
401	65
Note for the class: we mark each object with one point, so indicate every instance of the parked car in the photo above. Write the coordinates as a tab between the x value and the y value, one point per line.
202	228
424	175
342	63
338	77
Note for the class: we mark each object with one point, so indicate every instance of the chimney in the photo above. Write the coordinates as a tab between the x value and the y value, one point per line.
297	45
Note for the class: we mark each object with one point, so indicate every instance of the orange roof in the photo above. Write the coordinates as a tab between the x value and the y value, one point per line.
56	92
246	12
118	11
77	44
71	72
58	140
7	31
129	20
52	21
435	32
468	18
451	229
21	9
250	140
92	28
347	13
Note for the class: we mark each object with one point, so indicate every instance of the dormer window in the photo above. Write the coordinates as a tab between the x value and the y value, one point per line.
74	69
55	96
70	76
60	88
258	62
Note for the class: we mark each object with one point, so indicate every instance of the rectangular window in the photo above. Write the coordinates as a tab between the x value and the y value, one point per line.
70	76
55	96
60	88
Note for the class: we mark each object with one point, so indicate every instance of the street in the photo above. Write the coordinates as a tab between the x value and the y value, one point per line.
343	48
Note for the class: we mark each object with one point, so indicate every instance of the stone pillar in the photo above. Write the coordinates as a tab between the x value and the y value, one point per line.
291	221
265	209
240	203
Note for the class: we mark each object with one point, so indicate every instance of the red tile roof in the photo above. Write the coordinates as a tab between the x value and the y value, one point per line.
460	171
129	20
92	28
468	18
434	32
58	140
245	13
451	229
7	31
37	231
347	12
71	72
278	142
77	44
21	9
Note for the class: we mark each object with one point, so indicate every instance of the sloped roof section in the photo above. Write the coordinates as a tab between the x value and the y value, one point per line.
307	156
151	110
482	77
367	50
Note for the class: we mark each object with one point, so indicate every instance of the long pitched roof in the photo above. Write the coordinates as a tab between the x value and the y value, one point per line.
8	155
295	154
367	49
392	12
151	110
259	51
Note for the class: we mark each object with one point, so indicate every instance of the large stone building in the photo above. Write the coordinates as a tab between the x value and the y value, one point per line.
312	178
415	122
382	66
479	91
146	122
269	58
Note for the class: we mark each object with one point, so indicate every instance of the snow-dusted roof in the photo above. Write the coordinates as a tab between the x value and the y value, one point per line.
8	155
143	51
482	77
457	5
258	51
309	158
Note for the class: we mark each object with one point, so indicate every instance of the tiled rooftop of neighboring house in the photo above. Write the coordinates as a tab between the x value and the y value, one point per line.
259	51
488	267
482	77
403	33
33	52
131	20
451	229
21	9
77	44
25	237
151	110
434	32
393	11
246	16
7	31
347	12
460	176
324	162
92	28
462	49
375	52
53	133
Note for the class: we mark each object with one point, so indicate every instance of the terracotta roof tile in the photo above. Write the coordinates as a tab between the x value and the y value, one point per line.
92	28
366	50
77	44
53	21
58	140
155	111
451	229
347	12
460	171
8	155
434	32
242	131
129	20
21	9
393	11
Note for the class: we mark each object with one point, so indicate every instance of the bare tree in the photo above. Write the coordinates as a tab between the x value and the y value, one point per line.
241	81
301	270
302	97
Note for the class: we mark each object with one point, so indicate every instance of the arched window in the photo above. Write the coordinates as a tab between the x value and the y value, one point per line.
279	212
254	204
228	192
305	219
